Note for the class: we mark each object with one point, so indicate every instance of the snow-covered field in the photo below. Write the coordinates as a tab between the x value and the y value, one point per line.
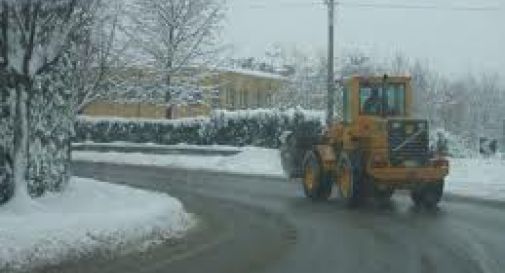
88	216
477	177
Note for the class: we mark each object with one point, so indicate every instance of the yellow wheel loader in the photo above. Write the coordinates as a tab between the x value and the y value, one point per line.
376	148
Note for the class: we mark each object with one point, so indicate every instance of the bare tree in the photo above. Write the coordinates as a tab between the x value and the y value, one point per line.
174	33
306	84
96	54
357	63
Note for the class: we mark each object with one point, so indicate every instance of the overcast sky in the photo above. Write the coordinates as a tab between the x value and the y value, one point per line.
453	41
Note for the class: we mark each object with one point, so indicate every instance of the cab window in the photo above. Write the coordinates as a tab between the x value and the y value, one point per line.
370	99
395	95
375	101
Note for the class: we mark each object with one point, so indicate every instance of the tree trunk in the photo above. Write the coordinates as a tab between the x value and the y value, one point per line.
20	156
168	94
168	98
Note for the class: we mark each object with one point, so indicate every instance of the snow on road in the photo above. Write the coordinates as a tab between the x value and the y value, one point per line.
88	216
483	178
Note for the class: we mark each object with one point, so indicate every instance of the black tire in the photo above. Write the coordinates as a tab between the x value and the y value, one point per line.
383	196
321	185
351	194
428	196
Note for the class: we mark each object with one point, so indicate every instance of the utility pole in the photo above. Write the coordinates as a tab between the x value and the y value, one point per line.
331	67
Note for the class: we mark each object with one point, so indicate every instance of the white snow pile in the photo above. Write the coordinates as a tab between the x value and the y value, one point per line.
458	146
215	114
88	216
119	120
476	177
262	112
251	160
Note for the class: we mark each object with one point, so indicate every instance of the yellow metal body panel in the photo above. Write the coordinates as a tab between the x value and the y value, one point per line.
408	175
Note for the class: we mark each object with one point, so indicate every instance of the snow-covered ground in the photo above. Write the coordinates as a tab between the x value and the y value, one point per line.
250	160
477	177
88	216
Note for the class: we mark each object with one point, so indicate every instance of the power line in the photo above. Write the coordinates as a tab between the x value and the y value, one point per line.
371	5
418	7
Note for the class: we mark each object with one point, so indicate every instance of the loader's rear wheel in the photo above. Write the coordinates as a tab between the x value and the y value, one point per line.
428	196
349	178
316	184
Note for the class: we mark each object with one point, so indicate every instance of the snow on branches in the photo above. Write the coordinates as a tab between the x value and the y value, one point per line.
36	39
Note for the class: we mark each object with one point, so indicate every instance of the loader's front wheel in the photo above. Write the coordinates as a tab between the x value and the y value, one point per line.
349	178
383	196
315	182
428	196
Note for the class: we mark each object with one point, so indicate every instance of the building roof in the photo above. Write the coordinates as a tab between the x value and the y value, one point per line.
253	73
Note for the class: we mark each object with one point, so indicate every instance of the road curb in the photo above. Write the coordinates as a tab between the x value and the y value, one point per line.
152	149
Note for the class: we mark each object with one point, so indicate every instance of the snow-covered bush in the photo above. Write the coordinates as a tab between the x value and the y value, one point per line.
51	127
458	147
6	138
260	128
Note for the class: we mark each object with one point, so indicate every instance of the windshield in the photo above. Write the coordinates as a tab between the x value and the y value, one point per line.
385	100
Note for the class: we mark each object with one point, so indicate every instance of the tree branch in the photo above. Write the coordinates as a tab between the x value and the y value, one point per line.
31	27
4	45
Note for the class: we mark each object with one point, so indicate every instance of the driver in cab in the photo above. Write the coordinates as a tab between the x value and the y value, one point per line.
373	104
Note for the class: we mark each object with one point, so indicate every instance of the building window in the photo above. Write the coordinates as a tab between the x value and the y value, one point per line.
258	99
232	98
246	94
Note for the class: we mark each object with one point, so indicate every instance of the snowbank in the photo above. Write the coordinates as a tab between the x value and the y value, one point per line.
250	160
477	177
459	147
89	216
118	120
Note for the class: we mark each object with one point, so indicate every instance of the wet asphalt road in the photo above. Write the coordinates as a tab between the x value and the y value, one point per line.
259	224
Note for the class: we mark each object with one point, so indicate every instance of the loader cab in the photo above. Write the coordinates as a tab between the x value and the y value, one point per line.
380	97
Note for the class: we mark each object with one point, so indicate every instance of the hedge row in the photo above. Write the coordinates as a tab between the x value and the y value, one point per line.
260	128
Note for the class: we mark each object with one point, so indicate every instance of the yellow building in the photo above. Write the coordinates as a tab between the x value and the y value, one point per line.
146	110
245	89
229	89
